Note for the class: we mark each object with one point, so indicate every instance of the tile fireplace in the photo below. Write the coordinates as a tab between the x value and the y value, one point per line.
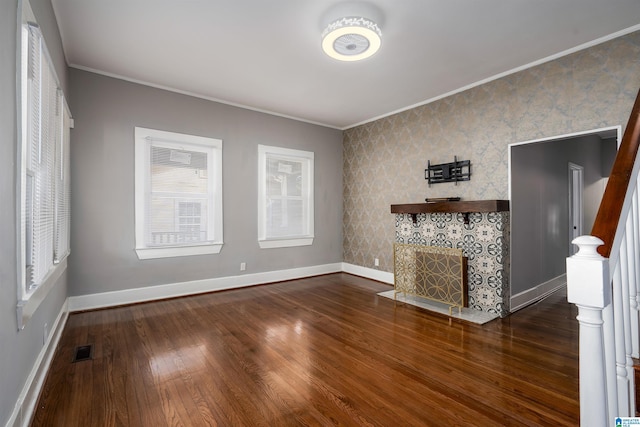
480	229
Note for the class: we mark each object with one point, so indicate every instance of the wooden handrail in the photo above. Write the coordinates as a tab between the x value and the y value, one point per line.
608	216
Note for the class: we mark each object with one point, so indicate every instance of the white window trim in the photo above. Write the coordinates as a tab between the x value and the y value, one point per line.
30	299
143	136
285	243
291	241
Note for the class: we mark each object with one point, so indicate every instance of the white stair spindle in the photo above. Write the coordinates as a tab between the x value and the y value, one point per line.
634	279
622	379
628	274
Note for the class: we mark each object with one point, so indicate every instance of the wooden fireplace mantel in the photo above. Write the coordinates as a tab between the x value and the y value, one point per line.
464	206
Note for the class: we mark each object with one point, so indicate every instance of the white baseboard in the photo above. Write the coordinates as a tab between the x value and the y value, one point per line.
171	290
536	293
28	398
369	273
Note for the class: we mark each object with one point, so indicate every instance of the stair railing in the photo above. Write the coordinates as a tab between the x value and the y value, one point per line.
602	281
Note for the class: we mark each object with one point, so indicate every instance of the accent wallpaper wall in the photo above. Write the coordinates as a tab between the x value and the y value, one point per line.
384	160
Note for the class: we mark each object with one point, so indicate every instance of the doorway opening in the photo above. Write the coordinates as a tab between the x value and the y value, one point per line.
555	184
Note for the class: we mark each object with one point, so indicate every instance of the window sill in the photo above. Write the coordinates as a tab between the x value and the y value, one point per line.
285	243
171	252
27	307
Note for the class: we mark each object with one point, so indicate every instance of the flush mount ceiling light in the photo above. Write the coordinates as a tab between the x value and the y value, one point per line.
351	38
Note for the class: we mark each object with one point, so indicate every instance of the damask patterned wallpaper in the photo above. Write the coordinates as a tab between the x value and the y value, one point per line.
384	160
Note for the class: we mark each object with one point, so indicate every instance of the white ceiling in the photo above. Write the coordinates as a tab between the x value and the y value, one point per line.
266	55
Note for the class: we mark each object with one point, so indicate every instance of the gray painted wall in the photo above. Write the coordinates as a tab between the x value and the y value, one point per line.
540	207
19	350
106	110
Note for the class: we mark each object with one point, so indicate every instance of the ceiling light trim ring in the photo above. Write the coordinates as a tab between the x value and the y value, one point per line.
356	27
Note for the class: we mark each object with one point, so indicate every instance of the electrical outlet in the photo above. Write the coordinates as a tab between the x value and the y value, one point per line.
376	262
243	266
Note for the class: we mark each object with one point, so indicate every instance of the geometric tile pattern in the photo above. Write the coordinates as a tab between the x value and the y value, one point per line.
485	243
384	160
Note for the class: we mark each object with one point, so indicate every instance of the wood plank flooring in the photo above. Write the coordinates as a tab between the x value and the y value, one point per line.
321	351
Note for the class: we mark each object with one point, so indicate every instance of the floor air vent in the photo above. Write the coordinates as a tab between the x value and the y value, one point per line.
83	352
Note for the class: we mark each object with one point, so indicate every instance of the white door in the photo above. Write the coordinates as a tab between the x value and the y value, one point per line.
575	204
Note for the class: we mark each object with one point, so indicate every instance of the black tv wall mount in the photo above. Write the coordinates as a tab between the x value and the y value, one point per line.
448	172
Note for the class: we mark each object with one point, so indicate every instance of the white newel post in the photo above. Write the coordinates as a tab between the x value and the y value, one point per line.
589	288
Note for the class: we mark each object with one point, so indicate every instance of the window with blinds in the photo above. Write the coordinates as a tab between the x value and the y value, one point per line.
178	194
285	204
43	156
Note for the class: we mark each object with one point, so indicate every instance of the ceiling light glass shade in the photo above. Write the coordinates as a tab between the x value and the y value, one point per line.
351	39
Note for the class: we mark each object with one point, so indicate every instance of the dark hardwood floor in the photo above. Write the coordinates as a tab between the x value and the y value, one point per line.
320	351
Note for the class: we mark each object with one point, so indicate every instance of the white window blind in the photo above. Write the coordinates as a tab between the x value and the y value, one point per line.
43	158
178	194
63	189
47	192
285	205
